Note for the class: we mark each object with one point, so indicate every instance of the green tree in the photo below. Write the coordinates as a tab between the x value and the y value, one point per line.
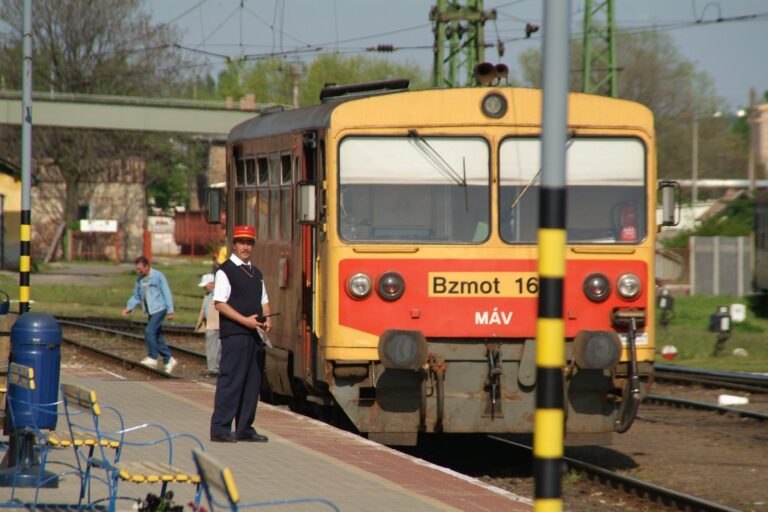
172	165
735	219
92	47
272	80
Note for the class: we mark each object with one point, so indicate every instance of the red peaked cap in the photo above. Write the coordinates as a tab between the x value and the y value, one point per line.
244	232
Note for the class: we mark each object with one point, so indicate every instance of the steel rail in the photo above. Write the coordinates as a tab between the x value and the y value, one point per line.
132	363
753	382
654	493
82	325
180	329
692	404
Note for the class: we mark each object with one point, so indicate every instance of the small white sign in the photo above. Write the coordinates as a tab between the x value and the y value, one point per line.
738	313
98	226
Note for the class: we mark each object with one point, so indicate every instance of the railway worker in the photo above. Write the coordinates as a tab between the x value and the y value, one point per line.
208	322
241	298
154	295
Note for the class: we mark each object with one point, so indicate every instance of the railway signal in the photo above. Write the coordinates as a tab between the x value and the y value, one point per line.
666	304
720	322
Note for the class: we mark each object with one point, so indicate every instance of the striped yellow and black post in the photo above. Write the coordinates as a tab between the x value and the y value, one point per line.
549	418
550	353
25	261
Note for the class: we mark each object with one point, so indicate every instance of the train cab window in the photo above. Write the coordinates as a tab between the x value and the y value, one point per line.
414	189
606	195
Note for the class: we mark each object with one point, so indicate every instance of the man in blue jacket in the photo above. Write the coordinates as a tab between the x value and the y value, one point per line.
154	295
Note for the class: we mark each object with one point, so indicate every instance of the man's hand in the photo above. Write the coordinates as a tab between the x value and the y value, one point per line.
170	316
126	312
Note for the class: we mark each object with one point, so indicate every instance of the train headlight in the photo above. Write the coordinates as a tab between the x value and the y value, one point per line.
629	286
402	350
494	105
390	286
359	285
596	287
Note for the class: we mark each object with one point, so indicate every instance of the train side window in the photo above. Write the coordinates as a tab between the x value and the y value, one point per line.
286	222
285	167
274	214
262	214
274	169
250	171
263	165
240	172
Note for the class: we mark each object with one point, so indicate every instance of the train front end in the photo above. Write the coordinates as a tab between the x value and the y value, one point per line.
432	287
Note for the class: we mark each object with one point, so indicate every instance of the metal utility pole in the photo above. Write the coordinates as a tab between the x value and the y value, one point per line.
26	161
459	40
599	54
752	124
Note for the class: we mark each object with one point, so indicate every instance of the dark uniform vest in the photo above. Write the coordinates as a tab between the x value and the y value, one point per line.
245	298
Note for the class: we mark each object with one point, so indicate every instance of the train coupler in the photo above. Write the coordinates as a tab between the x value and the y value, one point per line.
492	396
630	401
433	385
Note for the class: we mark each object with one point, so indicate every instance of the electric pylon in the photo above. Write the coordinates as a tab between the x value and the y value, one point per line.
459	40
599	57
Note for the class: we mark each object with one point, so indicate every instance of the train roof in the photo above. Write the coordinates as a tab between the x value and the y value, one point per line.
317	116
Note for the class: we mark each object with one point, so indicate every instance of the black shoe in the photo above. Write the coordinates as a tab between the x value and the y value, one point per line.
224	438
254	438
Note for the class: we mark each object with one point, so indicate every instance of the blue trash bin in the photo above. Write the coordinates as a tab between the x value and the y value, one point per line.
36	342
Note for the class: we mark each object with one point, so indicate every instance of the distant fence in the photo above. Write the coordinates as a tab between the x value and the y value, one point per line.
720	265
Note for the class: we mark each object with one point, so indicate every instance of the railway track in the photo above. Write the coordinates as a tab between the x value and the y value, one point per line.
741	381
704	406
109	341
653	493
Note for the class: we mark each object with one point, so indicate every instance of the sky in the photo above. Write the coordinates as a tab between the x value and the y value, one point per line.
730	51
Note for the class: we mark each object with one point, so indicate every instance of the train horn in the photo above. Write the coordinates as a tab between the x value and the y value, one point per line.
502	71
486	73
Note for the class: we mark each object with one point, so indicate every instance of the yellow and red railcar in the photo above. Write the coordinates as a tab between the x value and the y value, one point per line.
397	233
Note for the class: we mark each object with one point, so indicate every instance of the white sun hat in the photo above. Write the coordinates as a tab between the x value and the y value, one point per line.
205	279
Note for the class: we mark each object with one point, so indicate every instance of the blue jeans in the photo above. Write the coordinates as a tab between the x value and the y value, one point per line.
154	337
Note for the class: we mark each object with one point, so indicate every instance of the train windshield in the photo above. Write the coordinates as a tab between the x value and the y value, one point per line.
414	189
606	194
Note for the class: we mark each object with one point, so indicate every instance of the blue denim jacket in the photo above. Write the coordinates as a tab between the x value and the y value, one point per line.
158	294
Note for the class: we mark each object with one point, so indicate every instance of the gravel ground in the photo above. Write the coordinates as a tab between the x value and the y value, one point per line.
717	457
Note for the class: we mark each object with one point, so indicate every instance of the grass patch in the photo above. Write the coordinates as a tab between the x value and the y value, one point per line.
109	299
689	333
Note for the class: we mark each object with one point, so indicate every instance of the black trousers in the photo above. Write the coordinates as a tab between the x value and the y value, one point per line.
239	384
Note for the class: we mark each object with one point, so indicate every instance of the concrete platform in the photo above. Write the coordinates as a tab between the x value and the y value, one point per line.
303	458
